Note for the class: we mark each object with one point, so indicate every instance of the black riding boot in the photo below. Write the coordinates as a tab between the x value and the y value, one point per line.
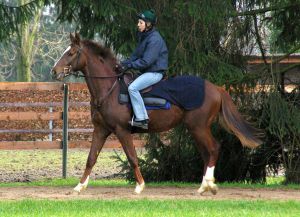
140	124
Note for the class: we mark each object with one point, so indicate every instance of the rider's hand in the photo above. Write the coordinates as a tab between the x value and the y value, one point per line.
121	68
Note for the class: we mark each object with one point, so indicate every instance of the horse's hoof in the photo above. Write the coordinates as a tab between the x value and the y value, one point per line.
214	191
139	188
202	189
212	187
80	187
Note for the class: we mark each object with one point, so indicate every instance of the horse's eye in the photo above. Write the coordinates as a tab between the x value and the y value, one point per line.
72	51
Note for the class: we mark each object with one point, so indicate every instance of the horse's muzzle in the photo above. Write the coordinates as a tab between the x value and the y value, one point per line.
57	75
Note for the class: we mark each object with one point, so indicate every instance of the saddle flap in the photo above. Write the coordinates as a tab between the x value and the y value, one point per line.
130	77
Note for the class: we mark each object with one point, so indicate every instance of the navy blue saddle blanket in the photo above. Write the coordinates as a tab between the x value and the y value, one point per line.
184	91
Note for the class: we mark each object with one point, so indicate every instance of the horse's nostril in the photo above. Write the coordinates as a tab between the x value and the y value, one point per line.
53	74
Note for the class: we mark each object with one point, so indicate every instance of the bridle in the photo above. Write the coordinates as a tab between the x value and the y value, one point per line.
68	72
67	69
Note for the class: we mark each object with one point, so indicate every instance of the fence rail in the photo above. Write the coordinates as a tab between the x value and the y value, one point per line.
28	145
41	104
46	116
77	130
40	86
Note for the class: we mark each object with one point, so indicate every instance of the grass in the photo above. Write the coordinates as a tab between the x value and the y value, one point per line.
22	160
70	182
144	207
48	163
273	183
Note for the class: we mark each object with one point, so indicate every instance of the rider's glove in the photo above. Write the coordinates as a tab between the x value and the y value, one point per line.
120	69
125	66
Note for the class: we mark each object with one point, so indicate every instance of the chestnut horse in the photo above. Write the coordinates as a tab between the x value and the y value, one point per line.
97	64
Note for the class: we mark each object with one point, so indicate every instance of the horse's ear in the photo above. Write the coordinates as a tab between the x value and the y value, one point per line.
72	38
77	37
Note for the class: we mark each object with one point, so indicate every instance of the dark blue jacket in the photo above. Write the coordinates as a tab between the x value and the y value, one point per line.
150	55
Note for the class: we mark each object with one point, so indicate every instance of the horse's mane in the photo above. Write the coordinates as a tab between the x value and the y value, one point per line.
99	50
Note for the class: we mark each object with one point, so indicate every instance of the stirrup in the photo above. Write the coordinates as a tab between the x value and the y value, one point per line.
140	124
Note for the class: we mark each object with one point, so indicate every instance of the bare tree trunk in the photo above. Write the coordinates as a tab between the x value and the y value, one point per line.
26	38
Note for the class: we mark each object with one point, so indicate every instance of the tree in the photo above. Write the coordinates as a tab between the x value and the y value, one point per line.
26	49
26	28
13	16
31	51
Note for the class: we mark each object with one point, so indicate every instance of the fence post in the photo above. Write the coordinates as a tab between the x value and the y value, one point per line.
50	125
65	129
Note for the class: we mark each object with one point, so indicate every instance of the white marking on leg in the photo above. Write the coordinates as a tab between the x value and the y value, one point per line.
210	180
209	175
82	186
139	188
203	187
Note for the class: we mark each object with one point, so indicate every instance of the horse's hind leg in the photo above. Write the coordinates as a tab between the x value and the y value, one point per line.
99	137
126	140
209	150
205	157
198	122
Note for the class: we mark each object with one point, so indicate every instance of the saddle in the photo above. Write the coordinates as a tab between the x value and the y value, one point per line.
150	102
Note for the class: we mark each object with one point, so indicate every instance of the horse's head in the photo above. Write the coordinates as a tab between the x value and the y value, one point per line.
70	61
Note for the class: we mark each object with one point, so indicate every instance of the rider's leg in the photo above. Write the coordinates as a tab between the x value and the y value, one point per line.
143	81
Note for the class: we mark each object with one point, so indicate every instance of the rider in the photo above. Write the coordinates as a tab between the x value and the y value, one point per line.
151	59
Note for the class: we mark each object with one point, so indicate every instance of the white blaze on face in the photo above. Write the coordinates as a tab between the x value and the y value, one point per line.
63	54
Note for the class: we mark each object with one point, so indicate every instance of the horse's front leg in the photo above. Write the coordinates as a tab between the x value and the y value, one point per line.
126	140
100	135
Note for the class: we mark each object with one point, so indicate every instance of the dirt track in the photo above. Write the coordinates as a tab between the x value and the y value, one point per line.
62	193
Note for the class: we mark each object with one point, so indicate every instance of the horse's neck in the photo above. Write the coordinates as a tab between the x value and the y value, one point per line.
98	87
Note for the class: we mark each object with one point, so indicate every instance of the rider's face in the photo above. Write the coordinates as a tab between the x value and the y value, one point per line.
141	25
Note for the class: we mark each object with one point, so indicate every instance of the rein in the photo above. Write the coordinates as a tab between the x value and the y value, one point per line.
101	101
76	74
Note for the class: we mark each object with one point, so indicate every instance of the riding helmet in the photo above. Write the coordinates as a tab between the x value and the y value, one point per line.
148	16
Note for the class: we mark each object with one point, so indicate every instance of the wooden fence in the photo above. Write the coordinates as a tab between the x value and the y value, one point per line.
50	116
47	116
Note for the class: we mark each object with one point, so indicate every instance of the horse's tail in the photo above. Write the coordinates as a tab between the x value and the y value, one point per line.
232	121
